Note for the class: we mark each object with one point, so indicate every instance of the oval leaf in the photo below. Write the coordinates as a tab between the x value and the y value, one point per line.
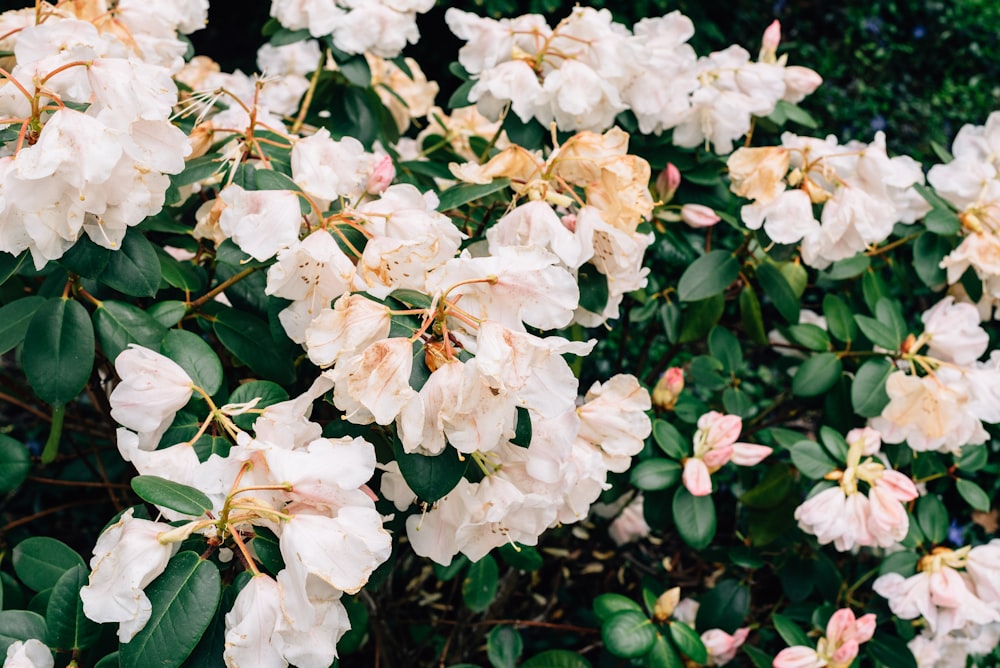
430	478
14	463
708	276
184	598
504	646
480	585
868	395
628	634
68	627
688	642
694	517
249	340
14	320
776	287
19	625
973	494
817	375
556	658
134	269
118	324
172	495
654	474
41	561
195	356
59	351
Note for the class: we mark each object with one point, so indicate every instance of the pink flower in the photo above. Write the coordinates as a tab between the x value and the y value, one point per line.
668	388
715	445
699	215
381	177
769	44
844	634
667	183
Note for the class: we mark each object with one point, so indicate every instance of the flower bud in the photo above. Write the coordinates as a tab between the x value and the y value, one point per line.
667	183
381	177
698	215
668	388
769	44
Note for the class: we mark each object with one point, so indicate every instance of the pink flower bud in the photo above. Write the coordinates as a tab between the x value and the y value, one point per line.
569	221
696	477
668	388
667	183
381	177
772	37
698	215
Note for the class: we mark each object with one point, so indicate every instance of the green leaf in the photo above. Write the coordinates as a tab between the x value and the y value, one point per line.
724	607
266	393
809	336
14	465
890	313
522	430
134	269
467	192
932	518
531	133
195	356
928	251
504	647
839	318
973	494
557	658
903	562
972	459
628	634
68	627
873	288
118	324
430	478
663	655
109	661
173	495
868	395
40	561
654	474
670	440
355	69
890	651
942	219
167	313
699	317
59	350
877	332
816	375
249	339
268	550
706	372
751	315
737	402
708	276
521	557
593	288
479	587
834	443
725	347
184	598
790	631
694	517
758	657
772	489
812	460
670	316
181	275
9	264
848	268
606	605
14	320
688	642
19	625
460	98
86	258
777	287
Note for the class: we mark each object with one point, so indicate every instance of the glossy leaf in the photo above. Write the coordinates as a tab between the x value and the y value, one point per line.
20	625
40	561
14	320
59	351
468	192
265	392
67	627
118	324
751	315
725	347
430	478
628	634
195	356
816	375
776	287
688	642
839	319
812	460
606	605
479	587
932	518
504	647
249	340
708	276
14	463
694	517
655	474
134	269
173	495
557	658
868	395
973	494
670	440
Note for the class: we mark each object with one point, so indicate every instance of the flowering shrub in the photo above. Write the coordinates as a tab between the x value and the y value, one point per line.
356	345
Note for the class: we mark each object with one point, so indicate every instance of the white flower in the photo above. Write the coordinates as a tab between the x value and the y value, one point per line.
260	222
954	332
153	389
328	169
251	626
30	653
127	557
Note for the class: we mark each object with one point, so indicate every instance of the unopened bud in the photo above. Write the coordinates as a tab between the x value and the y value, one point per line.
907	345
667	183
380	179
665	604
668	388
769	44
698	215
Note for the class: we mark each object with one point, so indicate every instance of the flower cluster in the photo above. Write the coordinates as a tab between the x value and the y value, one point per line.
583	72
837	649
846	516
85	118
308	490
863	193
714	446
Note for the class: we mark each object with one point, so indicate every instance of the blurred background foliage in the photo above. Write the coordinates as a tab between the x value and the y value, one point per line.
917	69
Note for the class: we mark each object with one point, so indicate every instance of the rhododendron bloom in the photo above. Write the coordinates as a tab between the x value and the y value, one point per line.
698	215
127	557
260	222
29	653
668	388
844	634
153	389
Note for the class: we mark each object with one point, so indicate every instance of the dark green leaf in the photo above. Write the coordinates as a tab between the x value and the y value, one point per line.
932	518
593	288
816	375
479	587
759	658
266	393
181	275
694	517
737	402
890	651
772	489
942	218
670	440
726	348
556	658
9	264
134	269
699	317
868	395
86	258
670	315
268	550
812	460
790	631
663	655
839	319
59	350
467	192
654	474
688	642
19	625
890	313
628	634
877	332
834	443
249	340
504	647
184	599
849	268
972	459
708	276
606	605
68	627
751	315
40	561
724	607
522	432
973	494
14	465
195	356
873	288
460	98
430	478
14	320
167	313
521	557
809	336
903	562
118	324
777	287
928	251
172	495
